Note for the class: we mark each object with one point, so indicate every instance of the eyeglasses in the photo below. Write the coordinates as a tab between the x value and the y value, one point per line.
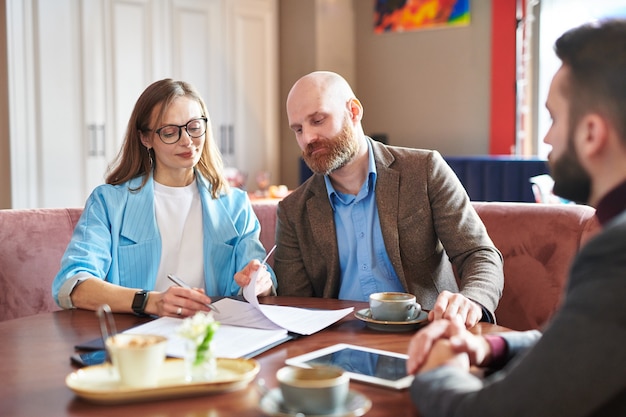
170	134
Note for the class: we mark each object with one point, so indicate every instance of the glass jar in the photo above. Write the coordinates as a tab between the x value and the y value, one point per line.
202	368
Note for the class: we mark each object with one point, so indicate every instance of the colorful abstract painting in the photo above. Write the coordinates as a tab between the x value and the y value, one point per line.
407	15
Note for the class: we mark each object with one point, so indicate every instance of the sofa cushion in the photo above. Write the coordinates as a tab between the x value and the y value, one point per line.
33	242
538	243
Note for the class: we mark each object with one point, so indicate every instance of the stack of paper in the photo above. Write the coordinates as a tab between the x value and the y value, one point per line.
247	328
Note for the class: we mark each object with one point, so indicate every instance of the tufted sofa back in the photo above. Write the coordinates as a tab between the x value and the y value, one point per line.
538	242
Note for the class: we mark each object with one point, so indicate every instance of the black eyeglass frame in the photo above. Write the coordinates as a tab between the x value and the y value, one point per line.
180	130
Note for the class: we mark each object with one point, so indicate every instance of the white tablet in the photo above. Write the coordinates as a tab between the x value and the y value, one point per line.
374	366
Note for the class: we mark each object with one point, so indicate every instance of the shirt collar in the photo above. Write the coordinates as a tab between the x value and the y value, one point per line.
371	182
612	204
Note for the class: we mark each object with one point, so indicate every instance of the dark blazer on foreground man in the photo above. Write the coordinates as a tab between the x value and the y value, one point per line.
425	217
577	368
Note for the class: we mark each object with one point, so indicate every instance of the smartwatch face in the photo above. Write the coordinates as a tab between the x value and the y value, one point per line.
139	301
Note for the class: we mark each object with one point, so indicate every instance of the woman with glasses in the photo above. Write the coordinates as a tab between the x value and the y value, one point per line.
165	209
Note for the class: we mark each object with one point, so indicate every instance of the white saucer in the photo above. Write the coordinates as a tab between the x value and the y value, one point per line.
356	405
392	326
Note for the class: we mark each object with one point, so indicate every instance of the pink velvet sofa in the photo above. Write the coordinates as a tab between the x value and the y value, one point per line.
537	241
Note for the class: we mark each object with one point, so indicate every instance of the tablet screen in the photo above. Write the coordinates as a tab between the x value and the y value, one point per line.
364	363
361	363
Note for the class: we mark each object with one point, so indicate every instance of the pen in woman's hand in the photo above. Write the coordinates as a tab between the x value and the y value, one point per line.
183	284
268	255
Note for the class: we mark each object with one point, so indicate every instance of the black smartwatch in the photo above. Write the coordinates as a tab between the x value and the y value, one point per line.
139	303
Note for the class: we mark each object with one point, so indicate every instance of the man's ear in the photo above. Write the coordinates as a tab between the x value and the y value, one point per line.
595	130
356	109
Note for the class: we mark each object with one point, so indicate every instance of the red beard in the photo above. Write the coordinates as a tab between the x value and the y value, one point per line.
335	152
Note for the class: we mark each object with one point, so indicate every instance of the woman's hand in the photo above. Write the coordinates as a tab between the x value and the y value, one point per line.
178	302
263	279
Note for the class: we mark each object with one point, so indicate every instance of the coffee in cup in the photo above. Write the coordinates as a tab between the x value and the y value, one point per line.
393	306
137	358
317	390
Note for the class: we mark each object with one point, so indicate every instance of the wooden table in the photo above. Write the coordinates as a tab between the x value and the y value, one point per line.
35	359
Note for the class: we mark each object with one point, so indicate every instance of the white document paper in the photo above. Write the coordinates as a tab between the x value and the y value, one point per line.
297	320
228	341
303	321
247	327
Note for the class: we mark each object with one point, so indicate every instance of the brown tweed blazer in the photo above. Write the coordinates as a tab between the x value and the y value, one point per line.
426	217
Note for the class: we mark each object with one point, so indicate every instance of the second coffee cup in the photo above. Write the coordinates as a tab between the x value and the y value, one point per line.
317	390
393	306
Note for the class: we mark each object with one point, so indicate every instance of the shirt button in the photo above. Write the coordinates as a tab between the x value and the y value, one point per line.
361	235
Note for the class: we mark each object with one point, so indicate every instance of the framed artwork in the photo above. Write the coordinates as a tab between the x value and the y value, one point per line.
409	15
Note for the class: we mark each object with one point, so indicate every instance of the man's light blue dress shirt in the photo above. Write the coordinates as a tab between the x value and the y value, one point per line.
365	265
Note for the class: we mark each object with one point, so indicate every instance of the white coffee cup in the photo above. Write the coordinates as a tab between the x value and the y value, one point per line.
137	358
317	390
393	306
